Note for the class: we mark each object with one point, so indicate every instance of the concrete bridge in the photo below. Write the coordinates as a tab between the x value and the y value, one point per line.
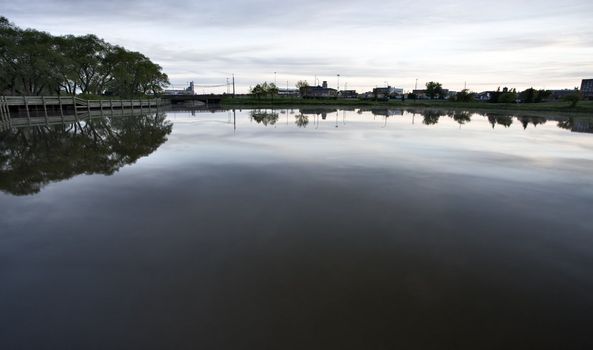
207	99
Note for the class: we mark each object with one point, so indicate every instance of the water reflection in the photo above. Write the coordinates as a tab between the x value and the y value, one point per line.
30	158
577	125
525	121
264	117
369	236
461	117
301	120
431	117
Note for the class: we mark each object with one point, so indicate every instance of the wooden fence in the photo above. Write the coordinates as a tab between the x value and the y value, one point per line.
18	110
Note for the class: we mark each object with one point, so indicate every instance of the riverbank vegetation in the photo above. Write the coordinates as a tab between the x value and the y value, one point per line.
557	106
37	63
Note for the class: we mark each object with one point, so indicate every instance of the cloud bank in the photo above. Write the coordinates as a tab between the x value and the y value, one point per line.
484	43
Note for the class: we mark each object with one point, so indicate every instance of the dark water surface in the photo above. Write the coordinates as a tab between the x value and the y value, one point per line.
285	230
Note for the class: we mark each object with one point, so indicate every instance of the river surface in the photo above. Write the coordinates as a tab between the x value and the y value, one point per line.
298	229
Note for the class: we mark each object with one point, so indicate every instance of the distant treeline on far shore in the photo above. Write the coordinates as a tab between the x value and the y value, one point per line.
37	63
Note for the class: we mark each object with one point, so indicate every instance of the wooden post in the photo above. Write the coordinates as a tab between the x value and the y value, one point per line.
2	114
121	103
27	109
132	105
111	106
75	109
6	109
45	110
140	106
101	106
61	108
88	107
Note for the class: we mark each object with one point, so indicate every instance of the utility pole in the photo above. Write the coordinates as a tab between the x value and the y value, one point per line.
227	86
233	87
338	82
274	78
416	88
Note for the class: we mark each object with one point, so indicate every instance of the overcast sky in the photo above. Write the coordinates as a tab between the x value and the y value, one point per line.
543	43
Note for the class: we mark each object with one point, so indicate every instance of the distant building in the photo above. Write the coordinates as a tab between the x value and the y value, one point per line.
347	94
366	95
484	96
560	94
587	89
420	94
288	92
387	92
319	91
190	90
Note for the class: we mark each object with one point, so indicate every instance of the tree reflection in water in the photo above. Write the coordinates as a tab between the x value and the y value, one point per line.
264	117
533	120
461	117
504	120
30	158
301	120
431	117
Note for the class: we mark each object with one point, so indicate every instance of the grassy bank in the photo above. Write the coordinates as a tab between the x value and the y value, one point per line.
562	107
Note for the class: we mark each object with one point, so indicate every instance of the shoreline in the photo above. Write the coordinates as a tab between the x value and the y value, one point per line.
583	108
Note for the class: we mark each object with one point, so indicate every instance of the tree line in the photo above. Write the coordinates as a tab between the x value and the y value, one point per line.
33	62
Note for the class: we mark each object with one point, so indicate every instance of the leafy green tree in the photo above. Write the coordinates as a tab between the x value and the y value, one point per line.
134	74
533	96
464	96
8	65
505	96
573	98
258	91
434	90
265	89
301	84
34	63
272	90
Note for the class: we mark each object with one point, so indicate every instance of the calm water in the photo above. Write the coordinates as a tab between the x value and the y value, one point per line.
288	229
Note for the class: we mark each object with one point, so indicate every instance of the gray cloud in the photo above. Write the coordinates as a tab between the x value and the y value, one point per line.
368	42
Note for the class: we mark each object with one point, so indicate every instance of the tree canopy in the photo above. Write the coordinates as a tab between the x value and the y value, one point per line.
506	95
264	89
464	96
301	84
36	63
434	90
532	95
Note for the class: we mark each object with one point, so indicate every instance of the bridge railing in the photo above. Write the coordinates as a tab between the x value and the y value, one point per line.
23	106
